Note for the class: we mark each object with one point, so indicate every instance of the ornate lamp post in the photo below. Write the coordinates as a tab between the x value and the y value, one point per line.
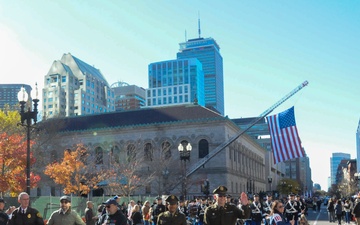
184	150
28	116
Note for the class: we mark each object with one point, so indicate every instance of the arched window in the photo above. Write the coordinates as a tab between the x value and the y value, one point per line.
99	156
148	152
166	150
131	152
115	154
203	148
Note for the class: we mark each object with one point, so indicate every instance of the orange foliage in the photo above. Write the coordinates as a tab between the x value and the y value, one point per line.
13	164
72	172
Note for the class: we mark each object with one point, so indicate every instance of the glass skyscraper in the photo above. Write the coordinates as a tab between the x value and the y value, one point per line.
173	82
207	51
334	163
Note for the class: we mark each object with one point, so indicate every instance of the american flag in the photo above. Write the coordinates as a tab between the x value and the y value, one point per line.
285	139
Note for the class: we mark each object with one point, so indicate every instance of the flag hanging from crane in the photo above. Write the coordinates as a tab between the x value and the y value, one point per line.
285	139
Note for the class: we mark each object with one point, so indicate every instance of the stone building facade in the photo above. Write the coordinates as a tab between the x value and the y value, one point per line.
156	134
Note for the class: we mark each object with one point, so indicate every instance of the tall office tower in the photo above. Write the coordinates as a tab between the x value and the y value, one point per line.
358	148
9	95
207	51
73	87
179	81
334	163
128	97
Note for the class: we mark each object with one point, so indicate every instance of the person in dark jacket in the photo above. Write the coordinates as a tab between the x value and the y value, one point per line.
338	211
136	216
25	215
331	210
113	214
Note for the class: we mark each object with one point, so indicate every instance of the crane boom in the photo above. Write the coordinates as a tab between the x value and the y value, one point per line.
211	154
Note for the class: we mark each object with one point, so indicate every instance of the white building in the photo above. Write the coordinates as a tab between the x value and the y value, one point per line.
73	87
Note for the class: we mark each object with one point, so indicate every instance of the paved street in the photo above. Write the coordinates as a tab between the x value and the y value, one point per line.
316	218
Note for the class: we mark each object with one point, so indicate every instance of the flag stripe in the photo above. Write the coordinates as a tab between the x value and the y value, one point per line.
285	139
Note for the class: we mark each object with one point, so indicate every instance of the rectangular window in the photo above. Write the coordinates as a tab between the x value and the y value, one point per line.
63	79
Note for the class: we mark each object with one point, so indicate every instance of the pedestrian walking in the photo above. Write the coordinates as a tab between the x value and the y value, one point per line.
24	214
338	210
65	215
331	210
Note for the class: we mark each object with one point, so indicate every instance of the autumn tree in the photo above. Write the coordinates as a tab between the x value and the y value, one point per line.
9	120
76	171
13	152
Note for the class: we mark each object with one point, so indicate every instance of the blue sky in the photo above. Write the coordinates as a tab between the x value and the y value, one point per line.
268	47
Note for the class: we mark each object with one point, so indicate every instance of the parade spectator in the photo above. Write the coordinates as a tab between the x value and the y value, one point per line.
146	213
347	208
5	215
90	218
277	214
338	211
24	214
65	215
331	210
113	214
136	216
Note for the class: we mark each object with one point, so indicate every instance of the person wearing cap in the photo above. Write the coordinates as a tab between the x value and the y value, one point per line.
302	205
172	216
256	211
158	208
267	208
113	214
221	213
292	209
24	214
65	215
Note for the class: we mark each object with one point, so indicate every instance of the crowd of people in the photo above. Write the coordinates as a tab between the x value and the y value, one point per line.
221	210
344	209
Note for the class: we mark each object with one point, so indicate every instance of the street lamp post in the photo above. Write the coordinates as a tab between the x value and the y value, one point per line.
184	150
29	116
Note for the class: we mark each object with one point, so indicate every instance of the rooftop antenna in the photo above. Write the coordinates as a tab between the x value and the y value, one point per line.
185	36
199	25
